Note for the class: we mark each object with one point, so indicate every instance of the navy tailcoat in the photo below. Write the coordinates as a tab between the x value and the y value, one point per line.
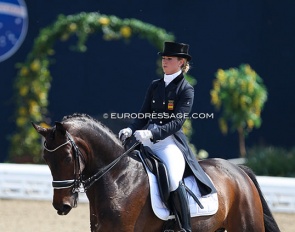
166	108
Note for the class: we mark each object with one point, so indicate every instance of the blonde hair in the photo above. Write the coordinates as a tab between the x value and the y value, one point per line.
185	67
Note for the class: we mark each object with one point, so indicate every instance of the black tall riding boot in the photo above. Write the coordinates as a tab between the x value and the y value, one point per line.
180	203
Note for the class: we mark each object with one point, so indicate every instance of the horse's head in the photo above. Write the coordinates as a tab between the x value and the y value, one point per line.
60	155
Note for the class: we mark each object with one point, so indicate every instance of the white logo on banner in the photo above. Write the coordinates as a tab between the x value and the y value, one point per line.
13	26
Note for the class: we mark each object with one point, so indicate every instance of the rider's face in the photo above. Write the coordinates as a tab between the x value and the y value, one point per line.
171	64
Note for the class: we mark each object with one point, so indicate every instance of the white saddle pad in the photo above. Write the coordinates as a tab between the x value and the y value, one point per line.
210	202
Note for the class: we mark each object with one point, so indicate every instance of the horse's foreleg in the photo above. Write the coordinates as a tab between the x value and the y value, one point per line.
94	223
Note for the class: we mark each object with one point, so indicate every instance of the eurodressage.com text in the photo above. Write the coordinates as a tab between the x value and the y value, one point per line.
159	115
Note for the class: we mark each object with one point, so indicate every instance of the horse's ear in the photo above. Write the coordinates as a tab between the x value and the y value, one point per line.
41	130
60	128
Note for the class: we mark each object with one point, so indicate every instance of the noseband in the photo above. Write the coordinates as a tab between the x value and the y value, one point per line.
78	184
75	183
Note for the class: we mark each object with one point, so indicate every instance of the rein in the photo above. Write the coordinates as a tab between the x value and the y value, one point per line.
91	180
78	184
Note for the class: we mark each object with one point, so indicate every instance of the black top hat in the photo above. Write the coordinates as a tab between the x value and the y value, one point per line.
176	49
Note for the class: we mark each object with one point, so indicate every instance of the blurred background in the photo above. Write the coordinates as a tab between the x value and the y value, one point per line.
112	76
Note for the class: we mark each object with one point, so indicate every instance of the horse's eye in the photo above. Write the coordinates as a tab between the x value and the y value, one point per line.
68	159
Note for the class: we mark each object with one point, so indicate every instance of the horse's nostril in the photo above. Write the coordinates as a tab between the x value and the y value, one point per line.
63	209
66	208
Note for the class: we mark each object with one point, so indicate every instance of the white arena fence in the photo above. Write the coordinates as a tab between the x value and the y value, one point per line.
27	182
33	182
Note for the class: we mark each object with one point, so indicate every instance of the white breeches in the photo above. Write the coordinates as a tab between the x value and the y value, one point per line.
171	156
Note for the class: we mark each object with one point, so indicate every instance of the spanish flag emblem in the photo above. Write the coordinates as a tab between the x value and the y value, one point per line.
170	105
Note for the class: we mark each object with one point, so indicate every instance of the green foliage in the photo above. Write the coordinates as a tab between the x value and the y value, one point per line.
240	94
272	161
32	83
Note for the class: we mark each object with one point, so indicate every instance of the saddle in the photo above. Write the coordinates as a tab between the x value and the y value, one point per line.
153	163
158	168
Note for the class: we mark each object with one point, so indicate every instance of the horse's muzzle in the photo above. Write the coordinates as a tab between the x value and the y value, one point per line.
64	207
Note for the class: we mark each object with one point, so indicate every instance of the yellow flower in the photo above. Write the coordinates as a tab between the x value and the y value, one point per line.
232	82
243	85
248	70
250	124
216	85
21	121
23	90
73	27
42	97
257	112
24	71
223	126
214	98
22	111
243	101
221	75
125	31
33	107
250	87
35	65
256	103
104	21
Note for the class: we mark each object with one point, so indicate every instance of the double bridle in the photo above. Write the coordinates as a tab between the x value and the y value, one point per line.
78	184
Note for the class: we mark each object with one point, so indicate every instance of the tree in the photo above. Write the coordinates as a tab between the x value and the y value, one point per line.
240	95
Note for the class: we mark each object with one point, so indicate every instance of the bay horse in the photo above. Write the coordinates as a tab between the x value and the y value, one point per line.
80	150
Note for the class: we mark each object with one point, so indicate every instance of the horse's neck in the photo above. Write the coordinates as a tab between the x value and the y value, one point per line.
124	184
103	145
107	151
